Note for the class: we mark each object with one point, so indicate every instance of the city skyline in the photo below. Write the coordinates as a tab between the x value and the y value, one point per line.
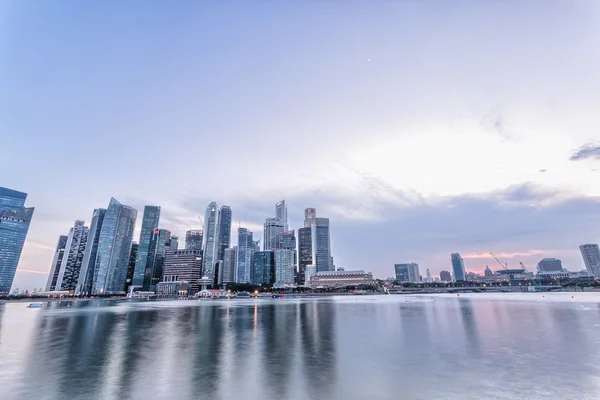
432	124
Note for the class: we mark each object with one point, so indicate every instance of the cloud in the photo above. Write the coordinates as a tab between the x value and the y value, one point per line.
487	255
588	151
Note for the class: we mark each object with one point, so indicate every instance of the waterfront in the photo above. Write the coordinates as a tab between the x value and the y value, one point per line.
472	346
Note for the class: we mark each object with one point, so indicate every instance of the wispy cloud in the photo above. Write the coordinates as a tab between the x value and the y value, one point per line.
484	255
587	151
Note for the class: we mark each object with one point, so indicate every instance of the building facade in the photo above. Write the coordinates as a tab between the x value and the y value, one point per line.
281	214
488	272
445	276
183	266
458	267
321	245
285	273
305	253
144	263
131	266
549	265
163	244
273	229
224	230
56	262
264	268
86	274
229	265
244	256
73	257
14	225
210	254
193	239
114	248
591	258
339	279
407	272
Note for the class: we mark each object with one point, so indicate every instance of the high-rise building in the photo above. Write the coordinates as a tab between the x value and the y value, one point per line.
305	253
174	245
131	266
163	243
284	268
445	276
428	278
321	244
488	272
56	262
407	272
193	239
274	227
73	258
144	263
14	224
244	256
224	230
310	214
281	214
229	265
591	258
211	243
86	274
458	267
549	265
264	268
183	265
114	248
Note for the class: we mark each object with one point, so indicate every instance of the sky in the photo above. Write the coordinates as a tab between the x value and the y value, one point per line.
420	128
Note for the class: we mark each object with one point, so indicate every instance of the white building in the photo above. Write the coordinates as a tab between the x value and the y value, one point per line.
284	268
407	272
210	254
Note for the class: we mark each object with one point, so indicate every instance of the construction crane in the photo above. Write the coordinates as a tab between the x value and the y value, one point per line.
523	265
201	220
505	265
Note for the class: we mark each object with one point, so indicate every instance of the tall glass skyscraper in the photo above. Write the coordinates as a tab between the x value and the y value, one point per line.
73	258
321	244
281	214
224	230
284	268
144	262
458	267
114	247
210	254
244	256
86	275
162	246
14	224
193	239
229	264
591	258
305	253
273	229
56	262
264	268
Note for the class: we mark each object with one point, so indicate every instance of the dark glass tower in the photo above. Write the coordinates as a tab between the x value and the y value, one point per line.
144	262
193	239
264	268
224	230
73	258
86	275
305	253
56	262
14	224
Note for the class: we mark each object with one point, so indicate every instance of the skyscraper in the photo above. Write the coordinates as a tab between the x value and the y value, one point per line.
245	253
305	253
211	243
73	257
174	245
224	230
163	244
310	214
193	239
86	274
131	266
14	224
56	262
284	268
114	247
264	268
229	265
458	267
281	214
273	229
144	262
321	244
591	258
549	265
407	272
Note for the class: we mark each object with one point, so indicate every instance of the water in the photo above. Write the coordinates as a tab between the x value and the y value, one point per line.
478	346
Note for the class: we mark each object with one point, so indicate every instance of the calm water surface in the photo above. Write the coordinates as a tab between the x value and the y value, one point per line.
479	346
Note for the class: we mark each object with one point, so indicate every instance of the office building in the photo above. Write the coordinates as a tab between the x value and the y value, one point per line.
458	267
488	272
229	265
162	245
114	248
445	276
14	224
86	274
211	243
144	263
407	272
56	262
273	229
281	214
339	279
304	253
549	265
174	244
183	266
284	268
193	239
591	258
244	256
264	268
73	257
224	230
310	215
321	245
131	266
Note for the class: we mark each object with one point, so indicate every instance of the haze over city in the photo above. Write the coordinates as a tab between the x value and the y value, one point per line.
415	136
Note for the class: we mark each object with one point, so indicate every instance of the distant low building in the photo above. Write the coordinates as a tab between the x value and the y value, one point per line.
445	276
549	265
338	279
408	272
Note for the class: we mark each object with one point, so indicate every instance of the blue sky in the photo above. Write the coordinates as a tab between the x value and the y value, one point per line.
419	128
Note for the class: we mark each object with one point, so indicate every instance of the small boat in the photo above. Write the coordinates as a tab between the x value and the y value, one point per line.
35	305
